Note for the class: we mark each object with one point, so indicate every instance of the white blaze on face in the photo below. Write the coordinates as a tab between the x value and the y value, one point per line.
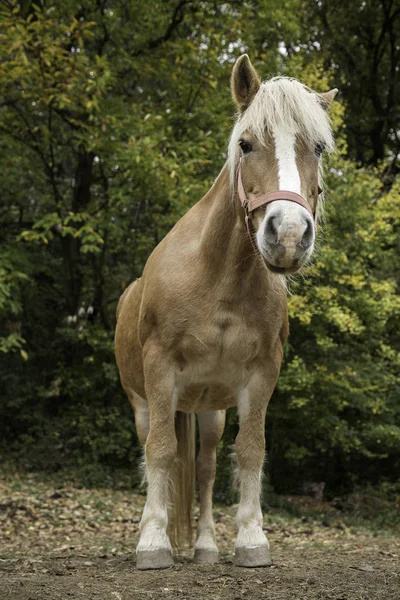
292	217
289	178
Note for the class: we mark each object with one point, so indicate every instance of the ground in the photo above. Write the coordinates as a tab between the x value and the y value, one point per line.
61	542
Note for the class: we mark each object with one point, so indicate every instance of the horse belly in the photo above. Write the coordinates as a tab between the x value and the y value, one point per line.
197	398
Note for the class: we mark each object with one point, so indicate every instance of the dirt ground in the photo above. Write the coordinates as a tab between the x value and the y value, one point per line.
65	543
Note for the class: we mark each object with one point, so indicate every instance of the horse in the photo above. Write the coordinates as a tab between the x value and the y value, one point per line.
203	329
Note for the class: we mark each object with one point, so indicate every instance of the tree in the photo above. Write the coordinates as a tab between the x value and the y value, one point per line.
359	44
115	120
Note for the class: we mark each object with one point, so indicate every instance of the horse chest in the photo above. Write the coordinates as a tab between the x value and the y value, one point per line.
219	352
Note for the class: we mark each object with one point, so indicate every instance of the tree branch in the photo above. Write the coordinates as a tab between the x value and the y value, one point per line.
177	18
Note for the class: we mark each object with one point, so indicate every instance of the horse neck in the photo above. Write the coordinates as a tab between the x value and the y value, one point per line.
225	243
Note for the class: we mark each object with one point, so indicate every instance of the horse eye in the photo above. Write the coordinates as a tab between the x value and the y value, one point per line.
319	148
245	146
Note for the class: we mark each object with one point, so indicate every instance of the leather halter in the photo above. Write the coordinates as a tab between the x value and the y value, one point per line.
250	205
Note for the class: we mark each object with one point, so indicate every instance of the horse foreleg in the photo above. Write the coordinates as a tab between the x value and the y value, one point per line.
211	427
154	548
252	547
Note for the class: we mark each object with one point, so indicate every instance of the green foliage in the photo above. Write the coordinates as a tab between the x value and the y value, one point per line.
342	371
114	121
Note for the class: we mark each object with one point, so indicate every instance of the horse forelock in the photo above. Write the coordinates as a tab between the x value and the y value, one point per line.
281	102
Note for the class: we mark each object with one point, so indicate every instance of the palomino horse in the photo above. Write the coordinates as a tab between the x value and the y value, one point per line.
202	330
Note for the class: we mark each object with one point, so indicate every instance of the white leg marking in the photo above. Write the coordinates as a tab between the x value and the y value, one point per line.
154	521
249	516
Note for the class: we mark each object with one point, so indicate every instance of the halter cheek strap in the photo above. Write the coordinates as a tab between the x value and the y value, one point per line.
250	205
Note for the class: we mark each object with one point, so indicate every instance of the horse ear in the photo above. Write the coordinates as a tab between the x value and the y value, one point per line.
245	82
326	98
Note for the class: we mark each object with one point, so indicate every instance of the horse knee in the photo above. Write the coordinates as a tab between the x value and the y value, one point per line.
250	452
161	451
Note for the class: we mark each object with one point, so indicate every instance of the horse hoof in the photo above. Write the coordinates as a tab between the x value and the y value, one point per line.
256	556
205	556
154	559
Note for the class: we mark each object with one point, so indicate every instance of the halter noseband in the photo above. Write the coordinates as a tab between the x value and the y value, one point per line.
250	205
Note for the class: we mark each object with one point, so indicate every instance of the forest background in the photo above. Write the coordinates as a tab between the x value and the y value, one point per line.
114	120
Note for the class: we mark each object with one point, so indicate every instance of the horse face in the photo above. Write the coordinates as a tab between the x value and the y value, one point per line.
285	230
281	130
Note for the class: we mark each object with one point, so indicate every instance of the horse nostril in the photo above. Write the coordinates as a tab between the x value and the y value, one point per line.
271	230
307	238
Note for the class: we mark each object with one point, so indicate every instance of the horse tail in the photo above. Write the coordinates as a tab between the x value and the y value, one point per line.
183	482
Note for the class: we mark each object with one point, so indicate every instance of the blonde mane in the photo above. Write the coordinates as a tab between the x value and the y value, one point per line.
281	102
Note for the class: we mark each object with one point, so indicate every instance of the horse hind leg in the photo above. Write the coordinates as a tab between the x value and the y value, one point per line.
142	417
211	427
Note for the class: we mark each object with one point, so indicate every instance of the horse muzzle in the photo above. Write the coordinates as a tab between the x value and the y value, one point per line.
286	237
